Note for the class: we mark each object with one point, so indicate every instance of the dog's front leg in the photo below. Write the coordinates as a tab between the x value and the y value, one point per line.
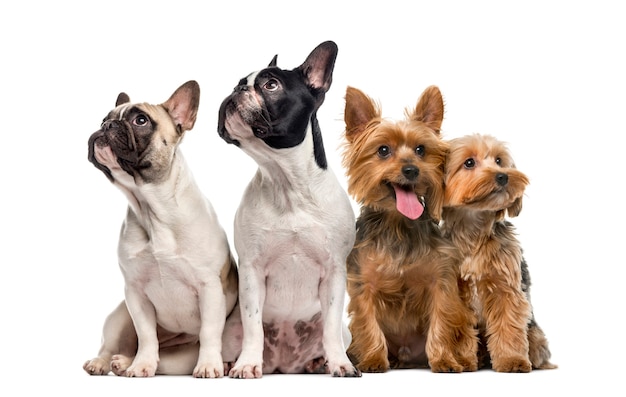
144	319
213	317
252	298
332	294
506	313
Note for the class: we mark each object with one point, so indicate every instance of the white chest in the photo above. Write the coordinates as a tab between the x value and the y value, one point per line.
168	278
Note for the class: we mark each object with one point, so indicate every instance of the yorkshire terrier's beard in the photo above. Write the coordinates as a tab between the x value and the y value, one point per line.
491	191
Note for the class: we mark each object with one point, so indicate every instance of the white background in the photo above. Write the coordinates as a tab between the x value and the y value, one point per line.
545	76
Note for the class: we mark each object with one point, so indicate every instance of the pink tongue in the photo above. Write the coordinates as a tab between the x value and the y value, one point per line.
407	203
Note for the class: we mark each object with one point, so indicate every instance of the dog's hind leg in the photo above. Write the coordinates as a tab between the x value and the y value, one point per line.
538	350
118	337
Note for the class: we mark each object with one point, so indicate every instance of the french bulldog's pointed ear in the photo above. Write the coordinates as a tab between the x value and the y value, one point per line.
121	99
360	110
183	105
429	108
273	62
319	65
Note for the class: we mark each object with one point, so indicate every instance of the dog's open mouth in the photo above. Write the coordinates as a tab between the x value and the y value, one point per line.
407	201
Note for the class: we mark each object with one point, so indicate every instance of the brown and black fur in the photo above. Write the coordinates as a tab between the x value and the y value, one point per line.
405	309
482	187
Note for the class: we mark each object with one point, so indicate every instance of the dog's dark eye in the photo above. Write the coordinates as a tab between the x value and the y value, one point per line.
140	120
469	163
271	85
384	151
420	150
499	161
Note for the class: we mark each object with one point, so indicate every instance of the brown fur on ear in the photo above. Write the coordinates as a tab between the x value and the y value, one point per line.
435	202
183	105
515	208
437	193
359	111
429	108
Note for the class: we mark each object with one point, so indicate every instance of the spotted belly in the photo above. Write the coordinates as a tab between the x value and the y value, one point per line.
294	347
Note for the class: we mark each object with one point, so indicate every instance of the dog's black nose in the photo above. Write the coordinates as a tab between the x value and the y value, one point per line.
242	85
410	172
502	179
108	124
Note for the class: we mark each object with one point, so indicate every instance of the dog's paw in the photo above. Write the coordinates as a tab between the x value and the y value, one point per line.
96	366
207	370
120	363
246	371
141	369
373	366
512	364
469	364
443	366
343	370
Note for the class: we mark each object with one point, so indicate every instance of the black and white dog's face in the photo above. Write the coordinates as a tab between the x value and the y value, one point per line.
276	107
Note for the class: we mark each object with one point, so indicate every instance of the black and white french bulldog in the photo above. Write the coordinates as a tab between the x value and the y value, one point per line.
180	277
294	227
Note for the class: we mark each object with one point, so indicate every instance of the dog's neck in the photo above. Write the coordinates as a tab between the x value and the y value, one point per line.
159	202
470	227
397	232
290	175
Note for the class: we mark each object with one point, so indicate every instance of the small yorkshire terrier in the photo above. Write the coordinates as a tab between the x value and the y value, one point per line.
405	307
482	186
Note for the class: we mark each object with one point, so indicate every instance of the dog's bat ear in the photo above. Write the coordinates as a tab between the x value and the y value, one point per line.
360	110
121	99
429	108
515	208
273	61
183	105
318	67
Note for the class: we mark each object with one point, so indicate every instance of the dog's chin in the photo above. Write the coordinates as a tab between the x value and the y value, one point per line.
109	157
100	154
241	117
234	128
495	201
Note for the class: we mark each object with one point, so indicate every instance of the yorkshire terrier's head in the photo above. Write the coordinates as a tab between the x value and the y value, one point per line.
395	167
481	175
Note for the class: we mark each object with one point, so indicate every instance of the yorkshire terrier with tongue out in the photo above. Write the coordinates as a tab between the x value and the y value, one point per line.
405	307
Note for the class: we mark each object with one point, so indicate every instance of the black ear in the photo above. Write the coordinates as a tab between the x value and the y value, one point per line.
319	65
121	99
273	62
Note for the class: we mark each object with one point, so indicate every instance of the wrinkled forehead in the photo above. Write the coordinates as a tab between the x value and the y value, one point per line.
127	110
120	112
286	77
